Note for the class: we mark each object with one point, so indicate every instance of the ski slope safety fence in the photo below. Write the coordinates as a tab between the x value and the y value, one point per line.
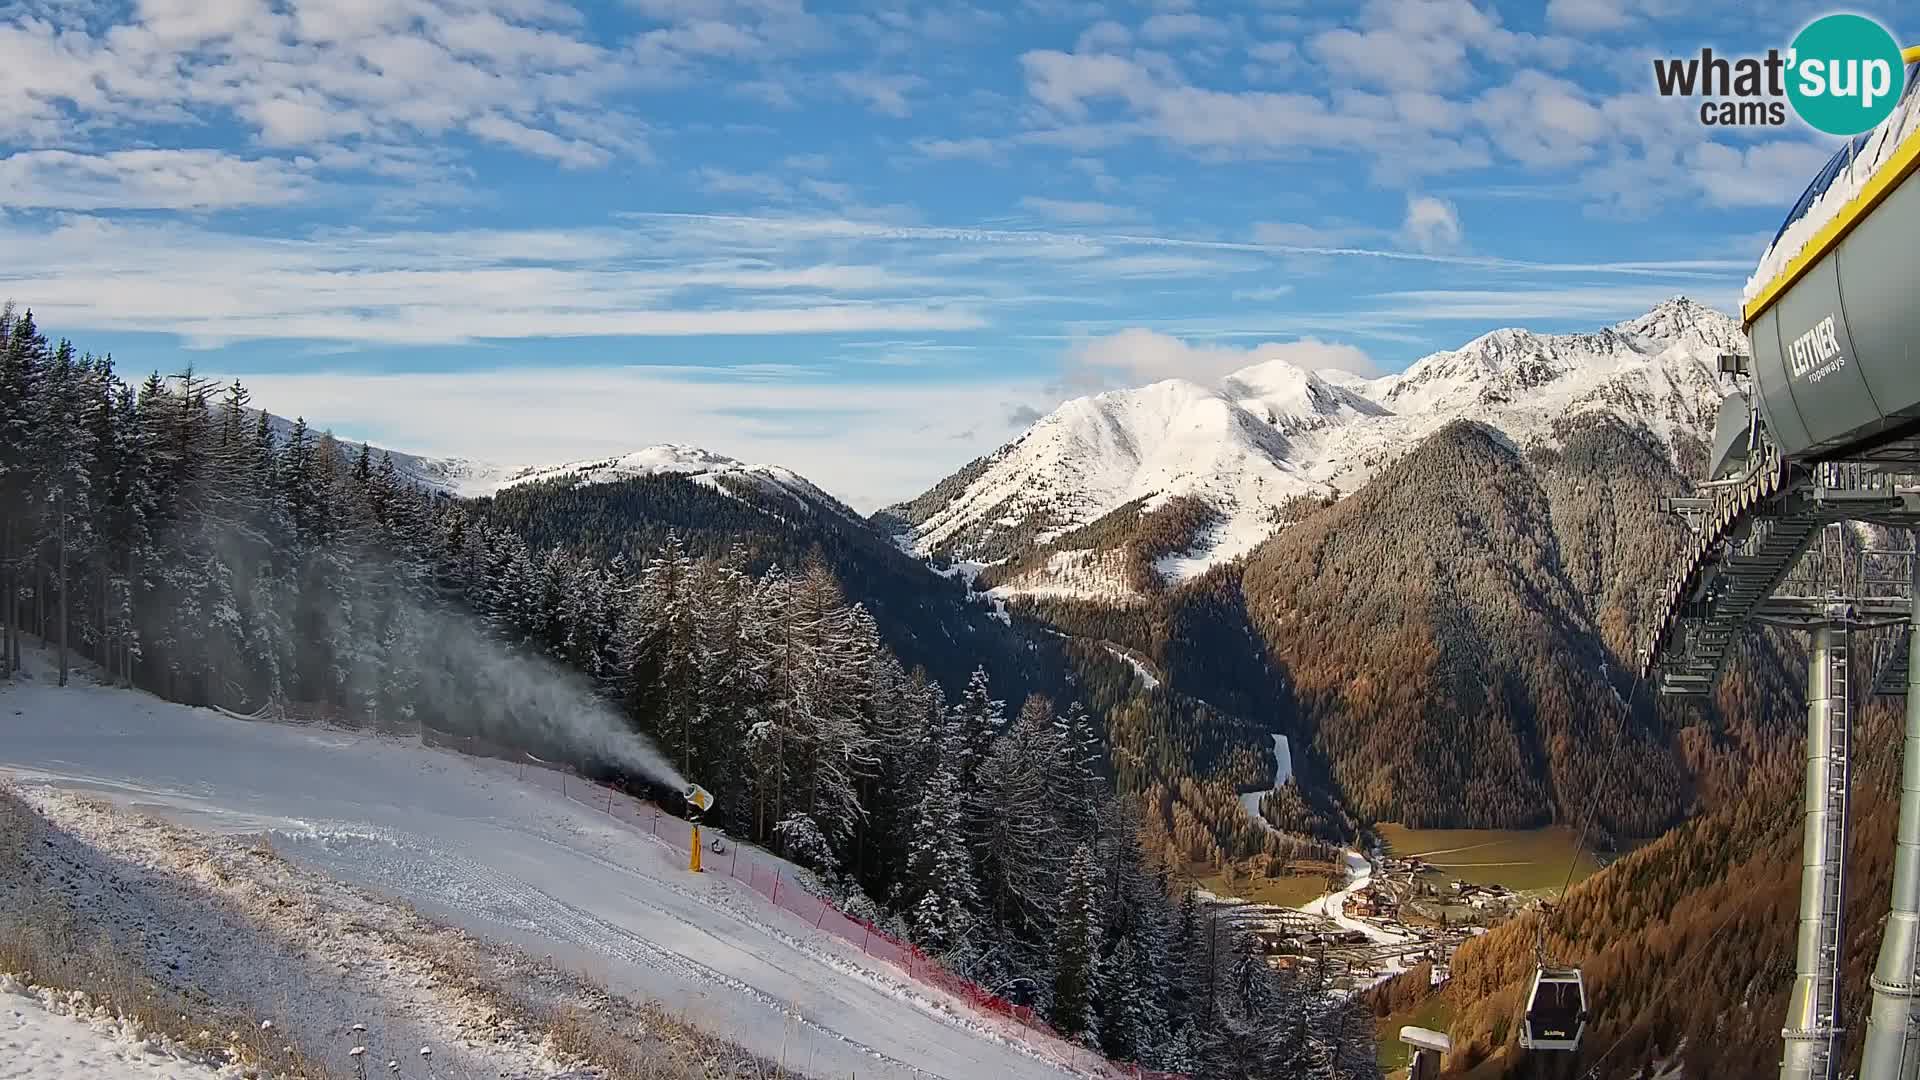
777	886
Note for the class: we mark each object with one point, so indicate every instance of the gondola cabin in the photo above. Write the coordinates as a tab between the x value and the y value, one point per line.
1556	1017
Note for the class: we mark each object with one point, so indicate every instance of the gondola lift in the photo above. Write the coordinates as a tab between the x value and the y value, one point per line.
1556	1016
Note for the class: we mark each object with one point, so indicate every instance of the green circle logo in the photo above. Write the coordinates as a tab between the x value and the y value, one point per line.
1845	74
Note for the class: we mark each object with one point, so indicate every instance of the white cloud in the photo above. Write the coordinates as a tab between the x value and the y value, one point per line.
1542	121
1523	306
1075	211
355	286
1138	355
1184	25
1765	174
1426	44
760	185
886	94
314	73
1105	34
1432	224
967	149
1590	15
146	180
869	443
572	153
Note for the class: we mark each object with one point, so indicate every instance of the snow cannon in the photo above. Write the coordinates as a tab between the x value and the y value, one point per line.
701	800
1830	311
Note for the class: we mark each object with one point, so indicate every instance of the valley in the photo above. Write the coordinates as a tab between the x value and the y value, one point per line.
1527	860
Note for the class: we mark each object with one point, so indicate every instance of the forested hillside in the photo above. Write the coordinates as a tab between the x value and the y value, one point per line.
169	536
1687	944
1443	658
926	620
1449	645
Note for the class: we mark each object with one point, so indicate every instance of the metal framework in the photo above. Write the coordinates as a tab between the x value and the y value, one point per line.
1774	547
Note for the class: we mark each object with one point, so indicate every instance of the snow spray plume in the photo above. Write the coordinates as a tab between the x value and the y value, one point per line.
467	681
527	700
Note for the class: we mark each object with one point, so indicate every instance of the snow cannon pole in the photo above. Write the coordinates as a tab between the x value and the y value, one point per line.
700	800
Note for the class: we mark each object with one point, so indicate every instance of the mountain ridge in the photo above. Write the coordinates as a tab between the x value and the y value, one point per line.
1271	433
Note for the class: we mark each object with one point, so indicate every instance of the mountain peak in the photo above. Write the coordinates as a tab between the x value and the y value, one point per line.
1680	318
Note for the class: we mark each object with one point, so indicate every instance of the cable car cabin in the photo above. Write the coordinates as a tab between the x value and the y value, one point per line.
1556	1010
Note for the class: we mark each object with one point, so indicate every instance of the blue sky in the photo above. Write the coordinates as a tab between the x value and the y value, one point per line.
866	241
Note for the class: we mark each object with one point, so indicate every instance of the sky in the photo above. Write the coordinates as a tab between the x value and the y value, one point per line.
866	241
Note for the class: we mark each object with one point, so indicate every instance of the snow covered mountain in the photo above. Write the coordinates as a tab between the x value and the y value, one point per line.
704	467
1273	432
470	478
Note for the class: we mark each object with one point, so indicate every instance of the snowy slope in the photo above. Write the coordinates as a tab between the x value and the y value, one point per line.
42	1040
717	471
470	478
467	841
1273	431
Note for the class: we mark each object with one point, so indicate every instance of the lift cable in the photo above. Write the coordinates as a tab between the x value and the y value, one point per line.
1580	841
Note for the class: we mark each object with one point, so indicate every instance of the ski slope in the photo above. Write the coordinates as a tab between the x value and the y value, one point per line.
465	841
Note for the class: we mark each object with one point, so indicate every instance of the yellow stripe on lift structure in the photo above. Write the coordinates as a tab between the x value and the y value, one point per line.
1906	160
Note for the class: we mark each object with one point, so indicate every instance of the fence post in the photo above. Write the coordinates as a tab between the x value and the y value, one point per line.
864	941
656	821
776	886
735	864
822	917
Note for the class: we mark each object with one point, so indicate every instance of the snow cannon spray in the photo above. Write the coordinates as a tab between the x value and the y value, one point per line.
524	699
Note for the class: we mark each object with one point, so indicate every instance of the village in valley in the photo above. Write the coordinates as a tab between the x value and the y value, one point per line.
1392	914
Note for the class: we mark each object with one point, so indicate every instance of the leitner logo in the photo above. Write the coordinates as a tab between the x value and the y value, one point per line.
1816	353
1843	75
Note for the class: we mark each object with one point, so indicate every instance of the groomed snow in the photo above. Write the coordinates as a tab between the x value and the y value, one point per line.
41	1040
466	841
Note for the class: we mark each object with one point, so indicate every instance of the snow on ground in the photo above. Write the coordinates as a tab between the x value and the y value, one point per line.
1333	905
465	841
1147	677
1282	772
44	1036
232	922
1230	539
1074	574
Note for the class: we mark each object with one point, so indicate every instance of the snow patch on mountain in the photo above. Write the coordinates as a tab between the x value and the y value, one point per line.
1093	454
723	474
1273	431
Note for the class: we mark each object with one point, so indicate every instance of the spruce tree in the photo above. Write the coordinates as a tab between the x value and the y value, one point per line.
1077	947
